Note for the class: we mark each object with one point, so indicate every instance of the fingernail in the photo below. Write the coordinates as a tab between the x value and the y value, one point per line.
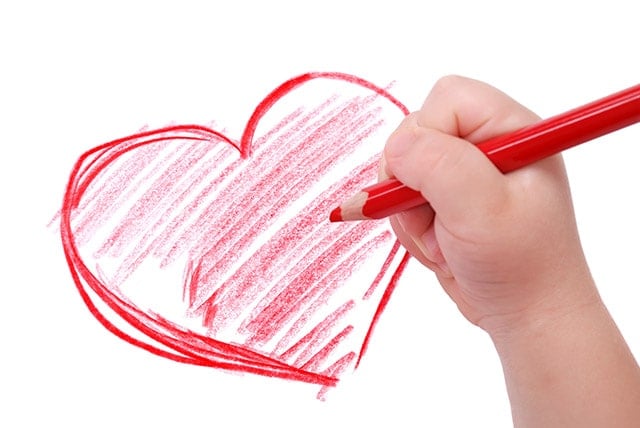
421	247
400	222
431	246
431	251
400	218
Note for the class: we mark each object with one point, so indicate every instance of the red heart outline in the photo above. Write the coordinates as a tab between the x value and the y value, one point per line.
190	347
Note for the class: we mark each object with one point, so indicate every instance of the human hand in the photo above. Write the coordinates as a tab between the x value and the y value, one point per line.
504	247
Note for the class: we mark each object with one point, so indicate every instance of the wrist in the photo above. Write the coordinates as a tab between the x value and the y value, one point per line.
569	366
576	297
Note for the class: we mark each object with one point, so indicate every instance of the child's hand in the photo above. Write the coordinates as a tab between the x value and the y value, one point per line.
504	247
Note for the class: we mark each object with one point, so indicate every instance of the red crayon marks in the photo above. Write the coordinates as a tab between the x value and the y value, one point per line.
216	252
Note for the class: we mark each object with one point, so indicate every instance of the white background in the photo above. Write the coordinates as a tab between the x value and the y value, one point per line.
75	75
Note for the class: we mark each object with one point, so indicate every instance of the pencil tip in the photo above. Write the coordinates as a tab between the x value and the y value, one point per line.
336	215
350	210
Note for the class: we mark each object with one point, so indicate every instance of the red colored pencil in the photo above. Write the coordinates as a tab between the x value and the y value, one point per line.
509	152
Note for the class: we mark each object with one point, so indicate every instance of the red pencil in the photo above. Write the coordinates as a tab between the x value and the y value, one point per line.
509	152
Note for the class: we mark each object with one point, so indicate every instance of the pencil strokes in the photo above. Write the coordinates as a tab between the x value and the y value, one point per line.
219	253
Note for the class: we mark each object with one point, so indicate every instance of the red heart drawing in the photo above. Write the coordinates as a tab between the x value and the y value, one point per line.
219	253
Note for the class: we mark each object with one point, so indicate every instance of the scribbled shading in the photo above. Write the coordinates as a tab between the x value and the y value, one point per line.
219	253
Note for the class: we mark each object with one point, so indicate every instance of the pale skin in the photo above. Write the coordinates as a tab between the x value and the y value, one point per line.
506	249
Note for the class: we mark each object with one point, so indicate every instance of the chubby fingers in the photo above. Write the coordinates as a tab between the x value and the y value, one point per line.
412	226
415	230
428	153
472	110
456	178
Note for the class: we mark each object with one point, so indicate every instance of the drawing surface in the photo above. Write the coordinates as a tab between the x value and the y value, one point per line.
218	252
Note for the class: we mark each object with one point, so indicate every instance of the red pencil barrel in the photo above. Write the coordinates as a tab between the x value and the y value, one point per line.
389	197
526	146
558	133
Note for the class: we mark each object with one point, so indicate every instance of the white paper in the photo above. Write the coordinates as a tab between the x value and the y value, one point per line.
76	74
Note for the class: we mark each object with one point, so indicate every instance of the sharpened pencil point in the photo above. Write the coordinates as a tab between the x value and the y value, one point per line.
336	215
350	210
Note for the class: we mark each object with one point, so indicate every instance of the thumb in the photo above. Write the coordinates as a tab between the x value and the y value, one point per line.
458	180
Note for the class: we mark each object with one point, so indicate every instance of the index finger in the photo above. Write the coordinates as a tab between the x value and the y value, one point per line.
472	110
